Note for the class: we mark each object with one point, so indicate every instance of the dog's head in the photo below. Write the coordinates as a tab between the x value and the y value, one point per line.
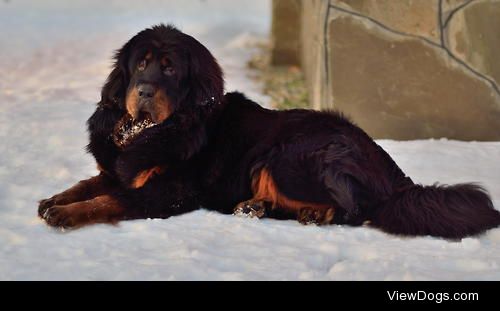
161	71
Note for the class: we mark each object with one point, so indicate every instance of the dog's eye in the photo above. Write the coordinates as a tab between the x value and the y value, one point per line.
169	71
142	65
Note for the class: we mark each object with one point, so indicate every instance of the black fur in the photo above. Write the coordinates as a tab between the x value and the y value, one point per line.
322	157
212	148
447	211
200	83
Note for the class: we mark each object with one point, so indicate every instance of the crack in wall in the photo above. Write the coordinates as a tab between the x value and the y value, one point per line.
455	10
466	66
332	6
325	39
440	22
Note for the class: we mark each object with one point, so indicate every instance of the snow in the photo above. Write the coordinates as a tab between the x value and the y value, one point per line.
129	129
55	57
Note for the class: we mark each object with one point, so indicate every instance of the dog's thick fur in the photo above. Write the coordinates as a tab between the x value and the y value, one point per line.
227	153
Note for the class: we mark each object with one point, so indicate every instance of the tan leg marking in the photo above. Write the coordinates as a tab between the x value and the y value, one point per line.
265	189
142	178
102	209
83	190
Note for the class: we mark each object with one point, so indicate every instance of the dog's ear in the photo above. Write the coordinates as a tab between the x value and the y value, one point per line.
114	90
205	75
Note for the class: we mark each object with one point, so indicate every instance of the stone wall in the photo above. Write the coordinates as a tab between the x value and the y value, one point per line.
402	69
286	25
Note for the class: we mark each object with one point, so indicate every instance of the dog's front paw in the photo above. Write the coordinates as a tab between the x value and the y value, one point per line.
58	199
45	204
62	216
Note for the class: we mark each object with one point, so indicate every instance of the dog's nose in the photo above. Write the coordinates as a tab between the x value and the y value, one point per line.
146	90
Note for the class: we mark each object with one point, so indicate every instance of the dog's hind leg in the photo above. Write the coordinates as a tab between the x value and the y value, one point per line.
316	183
268	200
82	191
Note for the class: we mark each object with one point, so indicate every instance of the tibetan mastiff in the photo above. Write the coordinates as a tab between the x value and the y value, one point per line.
167	140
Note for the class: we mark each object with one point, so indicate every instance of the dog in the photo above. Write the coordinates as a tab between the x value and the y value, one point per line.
168	140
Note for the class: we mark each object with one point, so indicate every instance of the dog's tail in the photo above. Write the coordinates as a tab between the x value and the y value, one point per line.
451	212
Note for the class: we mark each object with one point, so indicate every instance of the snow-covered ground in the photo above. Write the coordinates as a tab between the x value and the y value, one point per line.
55	55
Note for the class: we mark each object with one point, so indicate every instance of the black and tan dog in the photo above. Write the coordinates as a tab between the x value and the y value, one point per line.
167	139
